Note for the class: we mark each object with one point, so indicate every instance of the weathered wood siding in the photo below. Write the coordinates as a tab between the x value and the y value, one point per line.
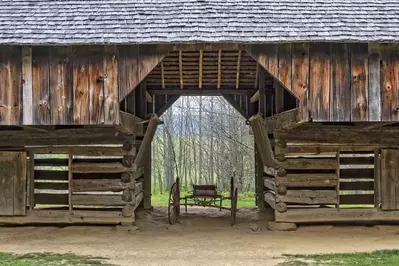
337	81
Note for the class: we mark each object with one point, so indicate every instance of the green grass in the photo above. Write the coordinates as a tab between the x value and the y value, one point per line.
246	199
47	259
376	258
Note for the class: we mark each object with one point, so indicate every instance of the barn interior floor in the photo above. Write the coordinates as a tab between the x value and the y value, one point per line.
199	239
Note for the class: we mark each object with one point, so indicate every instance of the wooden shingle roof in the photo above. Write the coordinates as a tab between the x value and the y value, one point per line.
186	21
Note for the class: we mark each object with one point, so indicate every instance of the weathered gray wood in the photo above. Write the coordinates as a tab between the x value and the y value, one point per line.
113	185
262	140
138	199
270	184
270	199
308	163
138	187
70	180
309	196
64	217
259	179
389	179
308	180
146	143
20	184
100	168
377	179
98	200
83	150
27	85
320	215
129	123
374	95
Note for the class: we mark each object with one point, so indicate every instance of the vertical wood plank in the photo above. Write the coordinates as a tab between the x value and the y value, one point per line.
261	102
319	81
272	54
19	185
388	178
284	64
377	179
111	100
41	86
7	177
147	180
340	98
300	77
80	86
70	180
374	83
31	180
390	83
96	76
61	86
278	97
359	91
27	85
259	175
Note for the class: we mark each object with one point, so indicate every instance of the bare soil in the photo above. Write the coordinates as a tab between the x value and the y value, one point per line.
204	237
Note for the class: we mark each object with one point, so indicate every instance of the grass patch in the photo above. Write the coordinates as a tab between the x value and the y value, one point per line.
246	199
376	258
48	259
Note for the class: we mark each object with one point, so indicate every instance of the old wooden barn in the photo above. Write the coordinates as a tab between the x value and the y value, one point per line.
318	82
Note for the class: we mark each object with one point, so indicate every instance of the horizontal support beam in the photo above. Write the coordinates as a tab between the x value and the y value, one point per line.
205	92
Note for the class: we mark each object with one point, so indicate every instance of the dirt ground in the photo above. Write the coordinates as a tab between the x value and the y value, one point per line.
203	237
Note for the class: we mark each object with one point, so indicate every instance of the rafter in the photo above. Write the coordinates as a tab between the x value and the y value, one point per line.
219	68
238	70
200	69
181	69
201	92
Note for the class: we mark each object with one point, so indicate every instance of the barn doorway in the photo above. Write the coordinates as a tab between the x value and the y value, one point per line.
203	140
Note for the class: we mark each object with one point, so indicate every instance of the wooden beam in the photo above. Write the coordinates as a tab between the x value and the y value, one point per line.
27	85
148	97
235	105
256	76
172	99
270	183
181	69
200	69
219	69
128	123
201	92
255	97
86	168
146	143
70	179
238	70
162	75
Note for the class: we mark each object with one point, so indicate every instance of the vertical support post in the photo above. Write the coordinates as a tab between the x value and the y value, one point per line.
262	107
259	180
31	180
147	181
279	97
338	177
377	179
70	158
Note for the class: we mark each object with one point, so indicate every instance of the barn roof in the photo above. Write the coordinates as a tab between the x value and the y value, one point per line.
184	21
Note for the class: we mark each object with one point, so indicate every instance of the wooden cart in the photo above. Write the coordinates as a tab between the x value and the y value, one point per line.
201	195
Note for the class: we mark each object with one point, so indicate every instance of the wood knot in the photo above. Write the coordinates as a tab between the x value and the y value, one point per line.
397	108
389	87
66	60
103	77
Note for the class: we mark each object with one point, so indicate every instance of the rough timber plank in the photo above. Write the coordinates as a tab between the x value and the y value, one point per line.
319	84
300	77
98	200
111	93
389	84
340	104
146	143
113	185
64	217
374	85
41	86
308	180
284	64
100	168
319	215
359	70
20	184
80	86
96	77
10	85
270	183
61	100
27	85
308	164
309	196
389	179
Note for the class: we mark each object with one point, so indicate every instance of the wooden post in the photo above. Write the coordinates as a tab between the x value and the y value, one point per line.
262	107
147	181
70	158
259	180
31	180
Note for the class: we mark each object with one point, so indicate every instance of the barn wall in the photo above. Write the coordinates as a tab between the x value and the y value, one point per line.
337	81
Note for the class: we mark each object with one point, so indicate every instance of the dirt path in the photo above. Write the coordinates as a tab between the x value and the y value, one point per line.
200	239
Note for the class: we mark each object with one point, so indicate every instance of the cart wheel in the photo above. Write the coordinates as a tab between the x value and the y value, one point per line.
174	203
234	198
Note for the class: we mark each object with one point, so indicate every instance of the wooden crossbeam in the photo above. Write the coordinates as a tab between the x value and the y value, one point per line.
255	97
162	75
148	97
238	69
200	69
201	92
219	69
181	68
